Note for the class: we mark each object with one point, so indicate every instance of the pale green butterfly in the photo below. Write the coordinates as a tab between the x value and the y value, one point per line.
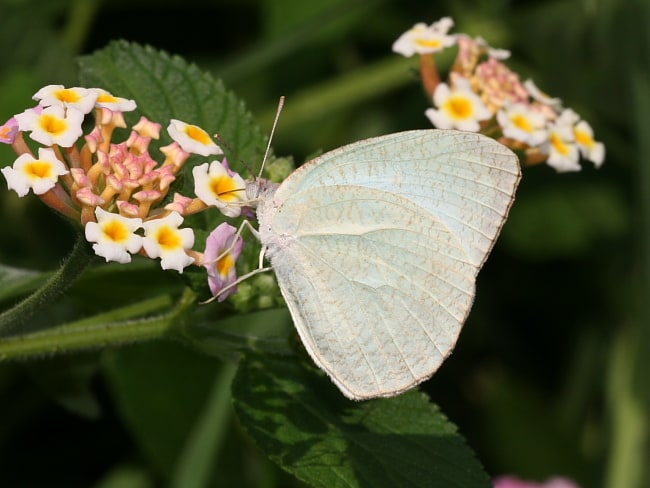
376	247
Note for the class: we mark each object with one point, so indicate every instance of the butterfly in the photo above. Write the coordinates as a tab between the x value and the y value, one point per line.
376	247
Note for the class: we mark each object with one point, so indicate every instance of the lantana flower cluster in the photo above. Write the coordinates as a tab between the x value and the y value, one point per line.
481	94
514	482
116	190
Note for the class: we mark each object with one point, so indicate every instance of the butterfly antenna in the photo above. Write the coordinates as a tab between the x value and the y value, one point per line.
222	142
275	123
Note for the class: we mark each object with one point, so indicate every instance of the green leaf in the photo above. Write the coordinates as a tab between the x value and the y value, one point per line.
166	86
303	423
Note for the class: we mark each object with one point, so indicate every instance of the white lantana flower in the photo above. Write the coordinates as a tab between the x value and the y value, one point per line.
114	236
561	148
589	148
116	104
522	124
192	138
218	187
52	125
458	107
39	174
78	98
423	39
163	239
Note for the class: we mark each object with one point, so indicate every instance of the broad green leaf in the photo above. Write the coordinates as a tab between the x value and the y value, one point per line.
166	86
303	423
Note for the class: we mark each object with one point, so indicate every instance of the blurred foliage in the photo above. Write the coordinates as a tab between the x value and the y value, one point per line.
550	375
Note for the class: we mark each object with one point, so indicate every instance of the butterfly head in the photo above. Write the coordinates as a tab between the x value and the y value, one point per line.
259	189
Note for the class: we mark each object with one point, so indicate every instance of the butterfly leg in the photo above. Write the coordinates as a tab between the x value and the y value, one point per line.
260	269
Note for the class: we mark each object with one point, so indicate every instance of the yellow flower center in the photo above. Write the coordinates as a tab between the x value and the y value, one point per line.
168	238
52	124
38	169
459	107
583	138
429	43
107	98
116	231
521	122
67	95
225	264
559	144
224	188
198	134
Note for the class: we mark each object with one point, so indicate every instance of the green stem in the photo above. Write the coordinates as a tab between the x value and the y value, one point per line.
626	458
80	20
58	283
95	332
196	463
629	370
640	384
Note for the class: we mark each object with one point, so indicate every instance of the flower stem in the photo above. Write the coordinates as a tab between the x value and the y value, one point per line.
100	331
429	73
